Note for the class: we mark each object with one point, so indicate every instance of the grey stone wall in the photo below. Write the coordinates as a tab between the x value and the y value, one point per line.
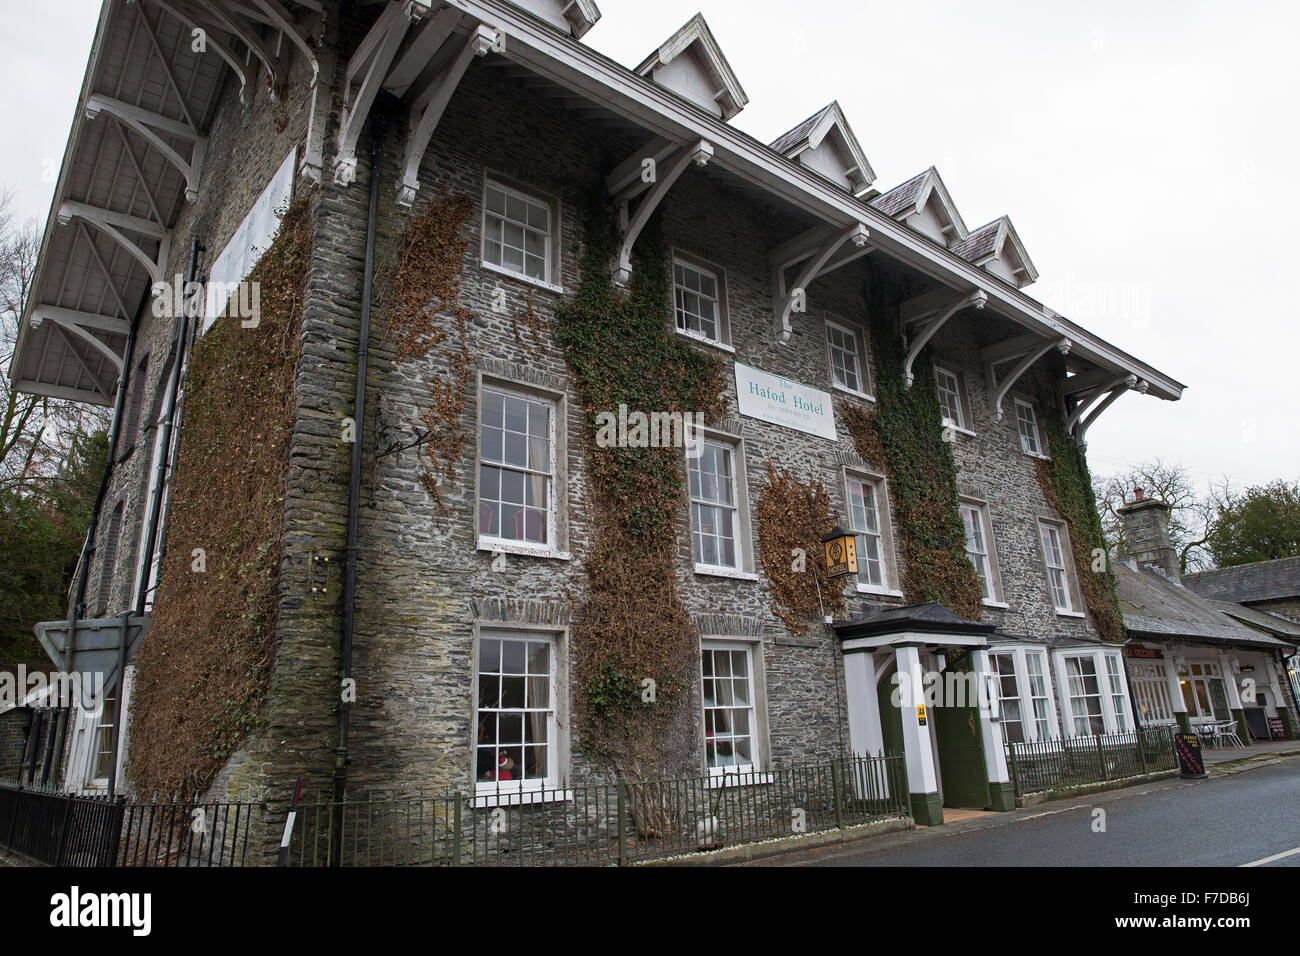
426	590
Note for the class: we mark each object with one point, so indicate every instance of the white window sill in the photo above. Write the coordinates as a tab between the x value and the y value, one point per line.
527	279
747	778
701	340
492	545
854	392
515	798
948	423
1000	605
883	592
1061	613
716	572
1039	455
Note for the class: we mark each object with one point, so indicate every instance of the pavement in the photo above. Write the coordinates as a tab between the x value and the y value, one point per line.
1245	813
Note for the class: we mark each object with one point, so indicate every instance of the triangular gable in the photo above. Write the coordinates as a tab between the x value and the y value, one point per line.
996	247
690	63
825	144
575	17
924	204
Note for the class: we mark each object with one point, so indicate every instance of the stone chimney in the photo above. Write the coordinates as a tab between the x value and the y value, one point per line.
1146	525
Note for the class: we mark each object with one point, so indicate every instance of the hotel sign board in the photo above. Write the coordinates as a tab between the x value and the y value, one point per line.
771	398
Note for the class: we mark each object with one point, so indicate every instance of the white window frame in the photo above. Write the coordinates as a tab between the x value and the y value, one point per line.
494	792
737	773
1070	585
556	524
992	596
963	423
553	237
743	568
1036	725
719	277
1110	719
1150	680
1020	405
859	356
879	485
1209	671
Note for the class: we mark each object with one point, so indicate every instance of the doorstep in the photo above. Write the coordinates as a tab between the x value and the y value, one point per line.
760	849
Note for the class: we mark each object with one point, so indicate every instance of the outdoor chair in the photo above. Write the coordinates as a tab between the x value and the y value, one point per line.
1227	732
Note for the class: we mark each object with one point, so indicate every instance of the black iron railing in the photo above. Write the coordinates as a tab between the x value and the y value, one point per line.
1042	765
598	823
66	829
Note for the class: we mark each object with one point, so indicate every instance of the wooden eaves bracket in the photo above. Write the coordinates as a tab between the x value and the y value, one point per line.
429	106
667	162
817	250
1089	409
367	71
1028	349
80	324
150	125
112	225
932	321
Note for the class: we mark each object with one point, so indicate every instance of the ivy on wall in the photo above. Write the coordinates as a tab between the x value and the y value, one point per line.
420	289
904	435
1067	486
205	665
793	516
635	642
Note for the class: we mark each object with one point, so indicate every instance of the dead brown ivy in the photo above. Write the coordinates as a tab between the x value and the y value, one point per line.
793	516
205	665
532	320
421	292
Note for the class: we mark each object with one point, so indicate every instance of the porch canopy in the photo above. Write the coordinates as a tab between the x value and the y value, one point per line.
929	625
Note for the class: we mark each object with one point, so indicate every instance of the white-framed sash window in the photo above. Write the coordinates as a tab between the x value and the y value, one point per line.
1027	422
951	403
865	523
979	547
698	301
516	736
1094	694
715	505
518	231
731	737
1058	575
517	464
847	367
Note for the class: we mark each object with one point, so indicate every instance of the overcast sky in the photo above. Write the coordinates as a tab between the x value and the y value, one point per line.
1146	153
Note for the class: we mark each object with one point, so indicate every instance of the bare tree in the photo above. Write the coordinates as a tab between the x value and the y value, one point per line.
1191	513
35	431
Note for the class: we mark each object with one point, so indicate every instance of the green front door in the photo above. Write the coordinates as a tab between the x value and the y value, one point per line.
963	775
891	718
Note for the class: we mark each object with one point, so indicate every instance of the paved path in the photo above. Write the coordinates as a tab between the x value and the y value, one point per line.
1252	816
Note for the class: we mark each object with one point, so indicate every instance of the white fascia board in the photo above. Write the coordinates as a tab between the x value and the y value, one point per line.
571	64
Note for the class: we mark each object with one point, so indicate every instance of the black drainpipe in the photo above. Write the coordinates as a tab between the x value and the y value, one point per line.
341	756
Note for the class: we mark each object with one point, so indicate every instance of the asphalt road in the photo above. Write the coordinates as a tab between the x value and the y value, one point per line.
1224	821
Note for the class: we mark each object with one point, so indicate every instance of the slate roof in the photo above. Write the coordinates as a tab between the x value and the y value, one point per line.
930	618
1261	581
1154	607
1277	626
981	243
783	143
901	196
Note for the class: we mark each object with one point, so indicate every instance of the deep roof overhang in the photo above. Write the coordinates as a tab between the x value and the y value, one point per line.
659	112
133	154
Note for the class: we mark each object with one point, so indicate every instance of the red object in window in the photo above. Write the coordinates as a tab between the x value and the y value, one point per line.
504	766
